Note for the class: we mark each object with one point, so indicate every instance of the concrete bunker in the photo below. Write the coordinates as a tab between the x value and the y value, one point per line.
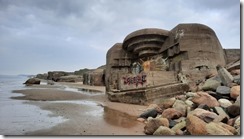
153	63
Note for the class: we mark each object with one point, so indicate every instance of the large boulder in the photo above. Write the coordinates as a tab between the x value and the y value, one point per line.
216	129
165	102
225	76
195	125
210	85
171	113
32	81
180	106
149	113
235	91
153	124
222	115
228	127
205	115
162	130
205	98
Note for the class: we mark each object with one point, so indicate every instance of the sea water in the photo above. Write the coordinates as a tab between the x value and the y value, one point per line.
17	117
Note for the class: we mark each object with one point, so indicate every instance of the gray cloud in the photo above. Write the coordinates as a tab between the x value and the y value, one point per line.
42	35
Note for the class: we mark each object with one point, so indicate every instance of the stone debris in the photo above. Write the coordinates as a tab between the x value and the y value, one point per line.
205	98
224	75
201	113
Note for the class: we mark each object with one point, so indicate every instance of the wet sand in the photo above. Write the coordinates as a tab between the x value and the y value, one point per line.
87	113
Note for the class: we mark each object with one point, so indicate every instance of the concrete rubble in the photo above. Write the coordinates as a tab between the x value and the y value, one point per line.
206	114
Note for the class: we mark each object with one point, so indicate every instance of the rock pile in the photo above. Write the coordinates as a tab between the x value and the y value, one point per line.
212	110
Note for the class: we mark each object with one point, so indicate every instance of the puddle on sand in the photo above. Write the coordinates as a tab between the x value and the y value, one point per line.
83	90
89	90
117	118
108	115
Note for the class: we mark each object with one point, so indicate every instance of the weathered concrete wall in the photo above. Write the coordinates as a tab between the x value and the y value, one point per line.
194	50
117	61
146	79
145	42
232	55
199	41
150	60
95	77
144	96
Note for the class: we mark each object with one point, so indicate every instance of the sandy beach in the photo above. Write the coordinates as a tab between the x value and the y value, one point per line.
86	108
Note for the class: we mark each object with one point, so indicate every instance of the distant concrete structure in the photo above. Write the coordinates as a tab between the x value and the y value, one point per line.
94	77
153	63
232	55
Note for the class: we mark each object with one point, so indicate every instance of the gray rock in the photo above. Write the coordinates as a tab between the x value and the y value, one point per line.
162	130
237	79
223	90
150	113
172	123
210	85
216	95
225	76
32	81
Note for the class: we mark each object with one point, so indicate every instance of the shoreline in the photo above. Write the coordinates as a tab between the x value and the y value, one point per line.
84	111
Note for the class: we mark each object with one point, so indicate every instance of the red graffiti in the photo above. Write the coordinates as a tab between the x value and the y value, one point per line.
139	79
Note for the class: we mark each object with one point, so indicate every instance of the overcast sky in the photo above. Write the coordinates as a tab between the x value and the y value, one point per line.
37	36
